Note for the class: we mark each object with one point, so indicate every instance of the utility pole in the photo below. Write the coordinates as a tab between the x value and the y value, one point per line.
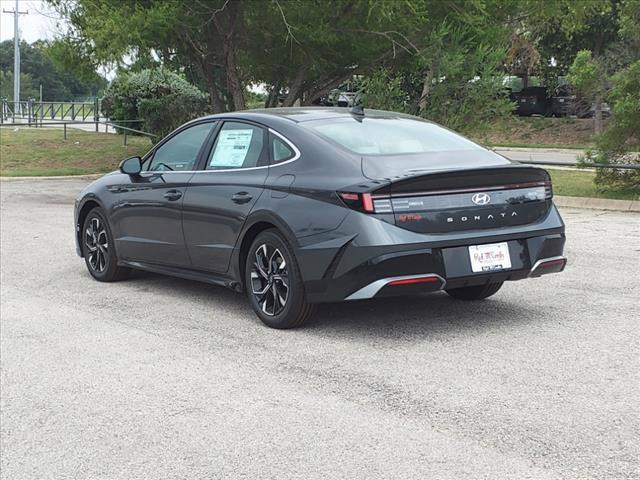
16	52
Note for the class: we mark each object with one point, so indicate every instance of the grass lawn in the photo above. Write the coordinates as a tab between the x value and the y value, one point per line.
536	132
44	151
578	183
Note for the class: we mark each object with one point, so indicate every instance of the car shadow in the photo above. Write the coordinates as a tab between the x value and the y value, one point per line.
393	317
418	316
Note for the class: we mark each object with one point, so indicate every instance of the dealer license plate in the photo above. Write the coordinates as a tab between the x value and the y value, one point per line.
490	258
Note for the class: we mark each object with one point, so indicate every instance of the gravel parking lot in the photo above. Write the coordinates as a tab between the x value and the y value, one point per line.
157	378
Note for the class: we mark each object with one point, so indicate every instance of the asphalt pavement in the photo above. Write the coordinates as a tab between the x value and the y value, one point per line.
537	155
160	378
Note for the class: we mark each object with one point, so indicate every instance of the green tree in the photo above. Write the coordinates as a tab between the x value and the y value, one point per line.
39	67
301	50
622	135
596	26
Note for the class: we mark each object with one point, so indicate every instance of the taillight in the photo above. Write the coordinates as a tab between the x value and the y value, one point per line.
362	202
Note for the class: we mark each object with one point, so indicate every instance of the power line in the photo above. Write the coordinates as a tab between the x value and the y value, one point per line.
16	51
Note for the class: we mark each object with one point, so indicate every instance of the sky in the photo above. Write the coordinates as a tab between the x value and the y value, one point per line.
40	23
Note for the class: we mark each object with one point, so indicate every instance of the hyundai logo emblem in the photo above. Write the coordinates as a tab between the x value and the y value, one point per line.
481	198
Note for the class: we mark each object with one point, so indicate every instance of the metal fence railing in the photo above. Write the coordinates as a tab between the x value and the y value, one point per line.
620	166
126	131
33	111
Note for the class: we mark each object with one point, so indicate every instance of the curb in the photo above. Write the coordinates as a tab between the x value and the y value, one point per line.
92	176
598	203
576	151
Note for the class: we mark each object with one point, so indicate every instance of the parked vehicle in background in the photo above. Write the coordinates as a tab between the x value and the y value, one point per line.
532	101
538	100
563	103
339	98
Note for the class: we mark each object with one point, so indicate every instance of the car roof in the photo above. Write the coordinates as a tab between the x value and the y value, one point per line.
305	114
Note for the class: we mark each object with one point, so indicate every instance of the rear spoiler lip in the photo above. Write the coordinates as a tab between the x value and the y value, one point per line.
465	190
412	174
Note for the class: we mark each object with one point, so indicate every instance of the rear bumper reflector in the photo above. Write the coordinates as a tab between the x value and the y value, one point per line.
411	281
548	265
371	290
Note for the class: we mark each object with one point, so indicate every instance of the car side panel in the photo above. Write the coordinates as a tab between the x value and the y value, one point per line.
213	220
105	193
149	225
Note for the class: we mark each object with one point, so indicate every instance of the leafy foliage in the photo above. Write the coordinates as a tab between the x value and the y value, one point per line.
160	99
299	50
585	75
622	136
384	91
461	85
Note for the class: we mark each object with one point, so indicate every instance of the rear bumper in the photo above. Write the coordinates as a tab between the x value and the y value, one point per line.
357	270
413	284
432	269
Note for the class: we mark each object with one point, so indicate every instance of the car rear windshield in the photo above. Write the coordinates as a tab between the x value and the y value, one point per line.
389	136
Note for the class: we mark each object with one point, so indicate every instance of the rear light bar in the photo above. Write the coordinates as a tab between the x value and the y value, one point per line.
513	186
443	199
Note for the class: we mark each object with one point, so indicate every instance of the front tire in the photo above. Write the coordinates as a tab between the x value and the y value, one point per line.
98	248
274	284
477	292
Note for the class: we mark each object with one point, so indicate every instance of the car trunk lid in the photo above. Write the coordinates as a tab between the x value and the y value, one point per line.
427	198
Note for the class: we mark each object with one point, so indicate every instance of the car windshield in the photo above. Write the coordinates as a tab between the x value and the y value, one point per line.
390	136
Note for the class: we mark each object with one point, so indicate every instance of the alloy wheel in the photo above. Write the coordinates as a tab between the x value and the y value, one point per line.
270	279
97	243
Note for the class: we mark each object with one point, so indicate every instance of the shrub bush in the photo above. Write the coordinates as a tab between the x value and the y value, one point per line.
620	141
162	100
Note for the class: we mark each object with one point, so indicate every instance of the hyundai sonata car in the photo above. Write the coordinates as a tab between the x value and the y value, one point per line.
299	206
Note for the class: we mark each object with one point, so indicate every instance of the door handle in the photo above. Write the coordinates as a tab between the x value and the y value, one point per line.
241	197
173	195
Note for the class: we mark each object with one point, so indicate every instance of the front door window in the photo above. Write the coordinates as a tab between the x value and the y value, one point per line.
180	152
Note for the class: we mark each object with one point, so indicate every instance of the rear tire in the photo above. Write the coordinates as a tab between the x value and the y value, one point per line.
98	248
477	292
274	284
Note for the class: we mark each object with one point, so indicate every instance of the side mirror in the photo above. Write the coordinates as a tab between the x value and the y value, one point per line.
131	166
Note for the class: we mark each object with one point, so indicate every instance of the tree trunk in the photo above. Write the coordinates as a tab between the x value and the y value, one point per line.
214	95
525	80
273	99
234	84
229	29
295	88
597	52
325	87
426	87
597	116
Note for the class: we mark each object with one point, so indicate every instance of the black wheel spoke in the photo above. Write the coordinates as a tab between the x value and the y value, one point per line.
96	242
270	279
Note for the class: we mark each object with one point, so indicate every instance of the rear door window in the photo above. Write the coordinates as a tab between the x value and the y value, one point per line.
280	151
238	145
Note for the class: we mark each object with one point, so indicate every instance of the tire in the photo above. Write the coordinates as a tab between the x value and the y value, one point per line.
273	282
98	248
477	292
